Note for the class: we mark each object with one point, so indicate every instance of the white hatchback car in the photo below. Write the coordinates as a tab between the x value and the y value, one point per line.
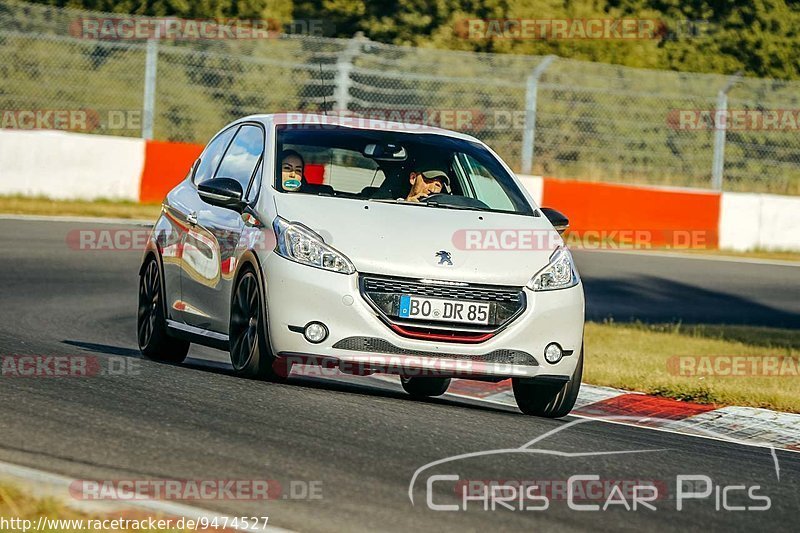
369	246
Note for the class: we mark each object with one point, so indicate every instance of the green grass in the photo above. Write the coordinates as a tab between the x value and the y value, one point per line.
16	503
773	255
640	357
19	205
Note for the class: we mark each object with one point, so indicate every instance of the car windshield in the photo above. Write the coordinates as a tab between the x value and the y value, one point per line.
406	168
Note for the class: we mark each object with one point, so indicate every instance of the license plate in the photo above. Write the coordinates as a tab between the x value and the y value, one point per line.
446	310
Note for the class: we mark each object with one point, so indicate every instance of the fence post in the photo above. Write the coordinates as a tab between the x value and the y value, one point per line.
344	65
149	104
529	133
720	129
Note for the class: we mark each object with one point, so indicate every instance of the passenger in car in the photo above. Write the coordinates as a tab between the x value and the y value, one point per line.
292	165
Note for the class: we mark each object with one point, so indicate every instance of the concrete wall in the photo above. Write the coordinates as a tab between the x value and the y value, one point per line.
535	187
66	165
759	221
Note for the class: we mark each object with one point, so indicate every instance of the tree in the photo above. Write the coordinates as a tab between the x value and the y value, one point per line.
759	37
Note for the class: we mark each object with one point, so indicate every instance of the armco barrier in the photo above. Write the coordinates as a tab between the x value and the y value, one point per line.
65	165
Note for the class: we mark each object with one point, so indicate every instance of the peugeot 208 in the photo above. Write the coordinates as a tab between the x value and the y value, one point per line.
367	245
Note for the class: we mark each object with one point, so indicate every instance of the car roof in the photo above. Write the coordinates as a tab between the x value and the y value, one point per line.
356	122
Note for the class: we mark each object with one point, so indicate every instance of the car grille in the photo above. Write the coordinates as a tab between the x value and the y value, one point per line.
417	288
376	345
384	294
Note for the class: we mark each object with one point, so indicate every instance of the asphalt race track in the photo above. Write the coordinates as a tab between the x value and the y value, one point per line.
655	288
360	441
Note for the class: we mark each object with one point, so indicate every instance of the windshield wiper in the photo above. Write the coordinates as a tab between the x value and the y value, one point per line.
393	201
459	207
437	205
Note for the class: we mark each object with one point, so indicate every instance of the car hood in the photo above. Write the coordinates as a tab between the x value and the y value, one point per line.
406	240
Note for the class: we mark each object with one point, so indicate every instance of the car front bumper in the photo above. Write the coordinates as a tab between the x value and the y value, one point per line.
299	294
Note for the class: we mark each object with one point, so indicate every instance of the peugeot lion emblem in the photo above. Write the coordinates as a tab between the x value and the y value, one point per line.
444	258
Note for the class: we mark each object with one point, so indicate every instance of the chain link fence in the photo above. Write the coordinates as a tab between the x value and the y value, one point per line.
545	115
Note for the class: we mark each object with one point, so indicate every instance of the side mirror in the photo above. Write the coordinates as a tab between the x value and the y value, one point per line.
222	192
559	221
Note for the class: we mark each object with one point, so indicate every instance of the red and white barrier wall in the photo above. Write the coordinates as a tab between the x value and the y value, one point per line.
65	165
662	217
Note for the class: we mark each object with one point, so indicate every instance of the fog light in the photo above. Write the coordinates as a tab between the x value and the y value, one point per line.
553	353
315	332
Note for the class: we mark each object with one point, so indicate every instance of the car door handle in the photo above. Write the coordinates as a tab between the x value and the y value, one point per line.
191	218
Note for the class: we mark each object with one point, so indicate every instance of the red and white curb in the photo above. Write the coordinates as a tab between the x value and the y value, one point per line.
745	425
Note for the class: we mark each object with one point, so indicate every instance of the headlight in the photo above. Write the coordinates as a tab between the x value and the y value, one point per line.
298	243
560	273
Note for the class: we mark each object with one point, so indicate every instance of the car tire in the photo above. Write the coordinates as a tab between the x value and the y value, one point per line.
425	387
545	399
250	352
153	337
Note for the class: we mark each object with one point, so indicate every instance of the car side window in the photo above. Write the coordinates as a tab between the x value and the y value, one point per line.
209	159
486	187
242	155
